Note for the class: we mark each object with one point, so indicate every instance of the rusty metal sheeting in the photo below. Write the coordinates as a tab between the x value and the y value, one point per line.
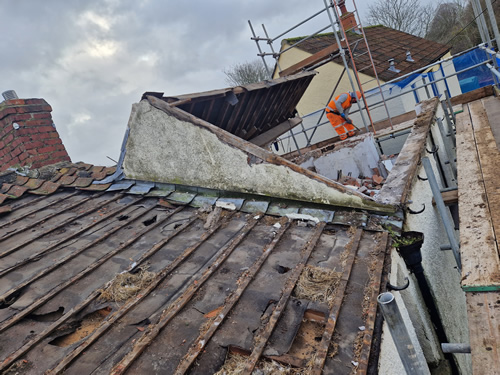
250	110
220	279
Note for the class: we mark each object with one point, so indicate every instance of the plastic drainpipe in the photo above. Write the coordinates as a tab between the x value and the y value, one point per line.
400	335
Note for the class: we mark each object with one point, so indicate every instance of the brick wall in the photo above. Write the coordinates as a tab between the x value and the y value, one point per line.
27	135
348	21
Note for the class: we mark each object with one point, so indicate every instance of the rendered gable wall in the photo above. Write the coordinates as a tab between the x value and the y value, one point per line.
163	147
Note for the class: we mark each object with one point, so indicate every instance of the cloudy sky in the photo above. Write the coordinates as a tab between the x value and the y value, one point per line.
91	60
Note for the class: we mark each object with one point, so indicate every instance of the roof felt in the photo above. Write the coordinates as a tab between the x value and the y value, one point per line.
221	279
385	43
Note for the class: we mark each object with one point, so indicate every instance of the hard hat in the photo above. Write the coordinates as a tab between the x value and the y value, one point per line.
356	95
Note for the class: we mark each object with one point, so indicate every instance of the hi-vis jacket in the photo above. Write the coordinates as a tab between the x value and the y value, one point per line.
341	104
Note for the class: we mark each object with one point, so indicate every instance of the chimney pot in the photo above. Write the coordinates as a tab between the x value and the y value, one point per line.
9	95
341	4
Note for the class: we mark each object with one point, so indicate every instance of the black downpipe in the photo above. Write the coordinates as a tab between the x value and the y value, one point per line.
413	259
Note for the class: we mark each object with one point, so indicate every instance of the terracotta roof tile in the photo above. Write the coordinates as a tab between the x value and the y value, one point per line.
34	183
5	188
47	188
82	182
82	165
110	170
99	175
16	191
21	180
68	171
97	169
3	197
57	177
95	187
67	180
4	209
84	173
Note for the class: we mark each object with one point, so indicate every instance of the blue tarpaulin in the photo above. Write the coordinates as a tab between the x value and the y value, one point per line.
477	77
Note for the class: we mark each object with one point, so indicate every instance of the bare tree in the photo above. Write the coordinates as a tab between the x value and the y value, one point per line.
409	16
246	73
452	25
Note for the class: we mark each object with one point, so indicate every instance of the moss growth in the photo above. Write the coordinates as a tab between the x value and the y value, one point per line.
402	240
349	33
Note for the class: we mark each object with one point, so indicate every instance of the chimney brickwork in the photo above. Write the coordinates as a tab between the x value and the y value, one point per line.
28	136
347	18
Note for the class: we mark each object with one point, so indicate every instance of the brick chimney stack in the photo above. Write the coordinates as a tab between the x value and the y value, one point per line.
28	136
347	18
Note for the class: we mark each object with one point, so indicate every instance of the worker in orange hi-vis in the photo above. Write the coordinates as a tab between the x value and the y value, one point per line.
337	112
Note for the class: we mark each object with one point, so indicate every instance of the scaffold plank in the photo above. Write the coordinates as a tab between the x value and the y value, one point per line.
479	253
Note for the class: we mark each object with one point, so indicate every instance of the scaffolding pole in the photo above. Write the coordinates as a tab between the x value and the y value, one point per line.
481	22
396	96
342	54
272	48
493	21
260	50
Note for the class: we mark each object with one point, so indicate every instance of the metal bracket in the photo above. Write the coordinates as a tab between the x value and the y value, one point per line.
416	212
434	149
394	287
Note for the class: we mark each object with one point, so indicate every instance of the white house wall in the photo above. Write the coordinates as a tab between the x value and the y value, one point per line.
439	267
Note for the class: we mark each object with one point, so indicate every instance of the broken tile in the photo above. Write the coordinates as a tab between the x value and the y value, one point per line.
321	215
237	202
377	179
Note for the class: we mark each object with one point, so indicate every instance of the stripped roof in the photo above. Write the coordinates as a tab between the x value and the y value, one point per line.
385	43
221	280
245	111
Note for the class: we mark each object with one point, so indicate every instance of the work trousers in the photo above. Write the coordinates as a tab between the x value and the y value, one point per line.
342	128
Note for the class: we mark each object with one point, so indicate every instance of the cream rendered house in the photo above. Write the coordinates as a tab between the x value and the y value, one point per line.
408	53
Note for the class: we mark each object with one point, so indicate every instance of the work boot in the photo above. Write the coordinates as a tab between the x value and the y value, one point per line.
351	133
343	137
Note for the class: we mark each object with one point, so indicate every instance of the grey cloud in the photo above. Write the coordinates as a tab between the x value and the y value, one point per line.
91	74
